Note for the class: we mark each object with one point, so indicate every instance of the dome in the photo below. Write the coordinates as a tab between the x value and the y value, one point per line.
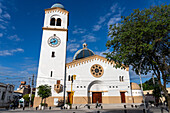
134	86
57	5
82	53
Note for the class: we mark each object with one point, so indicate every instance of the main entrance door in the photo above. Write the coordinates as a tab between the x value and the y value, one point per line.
123	97
96	96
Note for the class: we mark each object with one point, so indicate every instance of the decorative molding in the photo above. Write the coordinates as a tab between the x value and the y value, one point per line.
56	9
89	59
55	29
123	91
98	91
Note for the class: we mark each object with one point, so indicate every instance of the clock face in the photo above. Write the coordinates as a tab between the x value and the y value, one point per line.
54	41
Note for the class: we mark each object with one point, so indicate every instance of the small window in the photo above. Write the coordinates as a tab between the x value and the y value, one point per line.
109	86
80	86
84	86
3	96
116	86
68	77
58	22
113	86
51	73
122	78
53	54
52	22
77	86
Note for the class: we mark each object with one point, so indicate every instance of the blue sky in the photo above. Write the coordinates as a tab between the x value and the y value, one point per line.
21	23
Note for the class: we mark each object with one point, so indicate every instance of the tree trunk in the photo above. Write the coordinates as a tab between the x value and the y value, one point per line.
41	100
168	100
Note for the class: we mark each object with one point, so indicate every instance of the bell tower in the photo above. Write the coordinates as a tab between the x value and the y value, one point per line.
52	59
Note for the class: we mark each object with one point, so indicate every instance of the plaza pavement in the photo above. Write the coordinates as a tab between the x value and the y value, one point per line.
98	110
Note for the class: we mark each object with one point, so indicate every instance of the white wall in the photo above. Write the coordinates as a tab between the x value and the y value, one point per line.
109	78
46	62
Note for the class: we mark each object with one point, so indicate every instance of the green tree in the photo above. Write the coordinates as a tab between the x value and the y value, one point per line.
149	85
143	35
27	98
157	93
44	91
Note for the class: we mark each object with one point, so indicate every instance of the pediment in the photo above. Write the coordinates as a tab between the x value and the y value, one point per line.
90	59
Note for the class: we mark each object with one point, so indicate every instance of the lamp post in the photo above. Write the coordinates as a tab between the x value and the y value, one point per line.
72	93
141	83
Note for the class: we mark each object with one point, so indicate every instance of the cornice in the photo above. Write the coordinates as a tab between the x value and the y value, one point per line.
55	29
56	9
89	59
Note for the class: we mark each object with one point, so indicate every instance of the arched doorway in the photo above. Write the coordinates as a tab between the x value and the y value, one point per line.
95	88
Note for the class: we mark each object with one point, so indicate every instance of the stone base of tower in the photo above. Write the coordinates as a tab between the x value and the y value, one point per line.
49	101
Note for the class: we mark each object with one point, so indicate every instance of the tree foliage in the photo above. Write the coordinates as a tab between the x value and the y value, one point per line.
44	91
27	98
143	35
149	85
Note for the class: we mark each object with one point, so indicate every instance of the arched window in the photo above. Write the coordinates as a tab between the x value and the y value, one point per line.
52	22
58	22
69	78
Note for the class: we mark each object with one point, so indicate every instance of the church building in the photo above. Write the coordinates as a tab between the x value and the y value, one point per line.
89	78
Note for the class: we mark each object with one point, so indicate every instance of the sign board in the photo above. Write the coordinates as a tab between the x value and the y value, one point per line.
56	101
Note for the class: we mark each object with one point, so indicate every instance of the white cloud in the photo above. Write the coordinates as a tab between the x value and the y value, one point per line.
115	13
14	37
32	69
79	30
0	10
100	53
74	40
7	16
96	27
73	47
102	19
113	20
1	34
10	52
113	8
90	38
2	27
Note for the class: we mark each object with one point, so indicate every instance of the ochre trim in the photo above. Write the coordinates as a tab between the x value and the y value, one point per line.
56	29
56	9
70	91
98	91
123	91
89	59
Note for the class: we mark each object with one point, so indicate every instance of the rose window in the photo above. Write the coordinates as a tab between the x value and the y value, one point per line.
97	70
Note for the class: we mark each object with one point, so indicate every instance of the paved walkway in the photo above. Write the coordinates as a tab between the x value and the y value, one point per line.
58	110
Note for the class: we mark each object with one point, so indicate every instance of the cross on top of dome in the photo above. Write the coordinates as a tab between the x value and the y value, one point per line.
84	45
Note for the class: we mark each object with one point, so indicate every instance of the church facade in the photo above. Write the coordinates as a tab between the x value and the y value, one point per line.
89	78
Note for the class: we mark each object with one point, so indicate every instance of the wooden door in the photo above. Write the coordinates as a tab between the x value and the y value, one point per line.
70	100
122	97
96	96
